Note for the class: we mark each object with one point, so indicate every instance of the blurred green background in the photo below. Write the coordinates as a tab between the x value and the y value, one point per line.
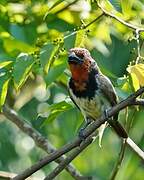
34	39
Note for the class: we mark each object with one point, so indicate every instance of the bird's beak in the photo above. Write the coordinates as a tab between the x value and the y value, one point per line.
73	58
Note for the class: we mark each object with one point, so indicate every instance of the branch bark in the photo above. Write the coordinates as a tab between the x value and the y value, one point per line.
40	141
72	156
89	130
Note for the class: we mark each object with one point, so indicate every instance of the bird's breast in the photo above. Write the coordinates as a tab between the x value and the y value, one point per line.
91	107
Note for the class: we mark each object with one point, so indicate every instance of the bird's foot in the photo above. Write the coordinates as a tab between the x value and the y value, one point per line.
82	129
106	113
81	133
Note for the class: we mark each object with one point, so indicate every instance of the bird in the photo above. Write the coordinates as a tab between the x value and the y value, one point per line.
91	91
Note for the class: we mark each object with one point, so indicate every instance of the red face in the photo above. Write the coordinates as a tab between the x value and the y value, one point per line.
79	62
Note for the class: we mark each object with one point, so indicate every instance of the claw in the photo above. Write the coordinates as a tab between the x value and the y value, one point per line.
81	133
106	113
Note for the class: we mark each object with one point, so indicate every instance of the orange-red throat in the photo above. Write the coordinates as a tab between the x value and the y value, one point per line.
80	64
80	74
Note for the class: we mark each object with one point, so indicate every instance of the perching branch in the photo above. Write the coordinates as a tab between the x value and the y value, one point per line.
72	156
88	131
40	141
139	102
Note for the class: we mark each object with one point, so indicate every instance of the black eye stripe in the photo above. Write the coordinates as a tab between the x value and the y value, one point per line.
73	58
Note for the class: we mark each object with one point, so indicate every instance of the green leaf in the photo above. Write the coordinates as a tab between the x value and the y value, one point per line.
23	33
116	4
55	72
80	37
22	69
121	93
5	63
56	109
127	7
135	81
107	5
4	82
11	44
69	41
137	73
53	22
47	56
55	4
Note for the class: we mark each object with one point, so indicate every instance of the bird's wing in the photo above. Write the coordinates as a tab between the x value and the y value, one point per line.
107	88
109	92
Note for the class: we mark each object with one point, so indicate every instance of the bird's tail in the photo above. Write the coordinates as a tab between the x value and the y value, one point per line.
118	128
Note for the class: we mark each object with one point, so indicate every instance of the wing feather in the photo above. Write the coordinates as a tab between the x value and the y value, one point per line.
107	88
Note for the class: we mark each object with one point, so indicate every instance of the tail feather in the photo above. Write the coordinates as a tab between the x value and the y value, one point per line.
118	128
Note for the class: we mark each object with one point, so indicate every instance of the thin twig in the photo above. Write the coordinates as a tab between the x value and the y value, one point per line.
96	19
122	150
131	26
138	46
91	128
123	146
135	148
119	161
40	141
84	27
135	28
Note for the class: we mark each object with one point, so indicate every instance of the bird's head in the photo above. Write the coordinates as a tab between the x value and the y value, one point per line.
80	62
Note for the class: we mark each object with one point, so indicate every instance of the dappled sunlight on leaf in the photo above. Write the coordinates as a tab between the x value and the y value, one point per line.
5	63
103	32
4	82
135	81
22	69
137	74
80	38
47	56
55	110
11	44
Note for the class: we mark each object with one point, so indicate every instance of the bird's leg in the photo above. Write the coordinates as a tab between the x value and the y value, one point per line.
106	114
81	131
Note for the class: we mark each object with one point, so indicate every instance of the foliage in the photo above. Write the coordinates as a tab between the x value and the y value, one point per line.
35	37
